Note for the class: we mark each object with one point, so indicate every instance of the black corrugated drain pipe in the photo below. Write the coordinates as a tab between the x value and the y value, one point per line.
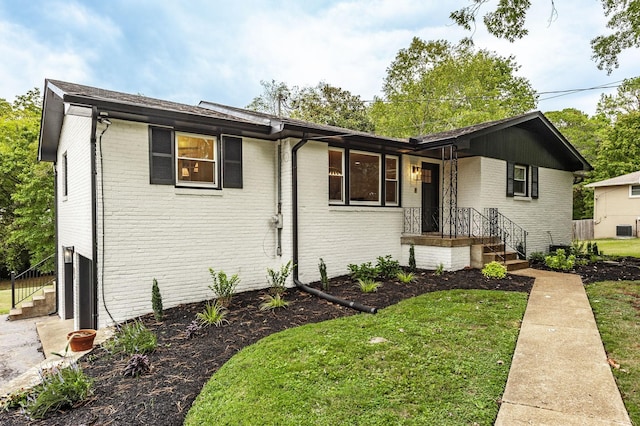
354	305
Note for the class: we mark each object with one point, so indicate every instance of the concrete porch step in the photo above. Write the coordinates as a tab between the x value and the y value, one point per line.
499	256
514	265
40	305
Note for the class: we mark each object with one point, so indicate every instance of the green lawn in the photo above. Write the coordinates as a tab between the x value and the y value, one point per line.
616	306
619	247
440	358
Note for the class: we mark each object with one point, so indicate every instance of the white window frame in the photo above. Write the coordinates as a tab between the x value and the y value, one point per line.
381	169
631	194
396	180
214	160
340	174
525	181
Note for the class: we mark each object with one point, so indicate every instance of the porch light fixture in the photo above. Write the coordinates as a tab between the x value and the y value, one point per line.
416	174
68	254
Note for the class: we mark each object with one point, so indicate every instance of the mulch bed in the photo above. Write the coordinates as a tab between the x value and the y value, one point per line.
181	366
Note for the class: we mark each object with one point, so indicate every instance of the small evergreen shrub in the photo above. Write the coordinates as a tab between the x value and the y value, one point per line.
537	257
368	285
560	261
363	272
138	365
404	277
132	338
156	301
412	258
213	314
495	270
323	275
223	286
387	267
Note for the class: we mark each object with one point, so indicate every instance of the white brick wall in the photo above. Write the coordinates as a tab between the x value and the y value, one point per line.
546	218
74	210
430	257
176	234
339	234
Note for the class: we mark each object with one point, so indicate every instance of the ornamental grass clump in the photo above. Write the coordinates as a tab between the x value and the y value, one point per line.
60	388
368	285
277	281
495	270
138	365
132	338
213	314
405	278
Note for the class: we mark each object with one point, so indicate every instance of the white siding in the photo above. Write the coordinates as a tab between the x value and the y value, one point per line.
74	210
176	234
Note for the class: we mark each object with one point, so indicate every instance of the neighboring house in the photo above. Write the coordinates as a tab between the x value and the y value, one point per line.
148	189
616	206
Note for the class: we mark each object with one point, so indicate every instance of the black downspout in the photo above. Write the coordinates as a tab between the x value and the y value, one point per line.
55	222
354	305
94	218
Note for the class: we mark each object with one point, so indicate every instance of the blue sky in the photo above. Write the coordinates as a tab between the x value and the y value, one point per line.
187	51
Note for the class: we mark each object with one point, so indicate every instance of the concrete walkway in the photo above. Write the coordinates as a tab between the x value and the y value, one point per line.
559	374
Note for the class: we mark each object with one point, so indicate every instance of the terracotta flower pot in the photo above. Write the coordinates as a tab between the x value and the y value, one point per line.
81	340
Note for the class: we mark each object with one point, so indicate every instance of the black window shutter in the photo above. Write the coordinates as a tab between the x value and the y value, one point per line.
161	156
510	171
232	164
534	182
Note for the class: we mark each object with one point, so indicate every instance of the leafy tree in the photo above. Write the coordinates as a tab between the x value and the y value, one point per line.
26	187
321	104
584	132
625	101
507	21
619	153
434	86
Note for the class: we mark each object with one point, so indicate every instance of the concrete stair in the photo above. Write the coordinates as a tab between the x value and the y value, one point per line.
495	252
40	305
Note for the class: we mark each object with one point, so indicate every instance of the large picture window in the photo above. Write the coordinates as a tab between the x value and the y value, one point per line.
363	178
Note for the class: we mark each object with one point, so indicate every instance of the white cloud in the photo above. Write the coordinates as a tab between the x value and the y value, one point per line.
27	61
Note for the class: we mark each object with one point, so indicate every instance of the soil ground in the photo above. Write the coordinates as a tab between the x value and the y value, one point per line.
181	366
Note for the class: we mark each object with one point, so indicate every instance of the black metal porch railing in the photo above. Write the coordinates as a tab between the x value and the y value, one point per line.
467	222
27	283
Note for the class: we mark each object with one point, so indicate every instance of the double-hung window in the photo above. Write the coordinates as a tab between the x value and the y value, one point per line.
363	178
195	160
522	181
634	191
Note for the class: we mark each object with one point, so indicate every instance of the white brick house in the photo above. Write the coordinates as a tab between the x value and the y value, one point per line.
153	189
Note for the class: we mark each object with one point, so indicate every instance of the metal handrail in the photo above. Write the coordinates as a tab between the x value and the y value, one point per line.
29	282
454	222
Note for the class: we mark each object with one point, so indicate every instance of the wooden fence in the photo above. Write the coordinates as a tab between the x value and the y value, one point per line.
583	229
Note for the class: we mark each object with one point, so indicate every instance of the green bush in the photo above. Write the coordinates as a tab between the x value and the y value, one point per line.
560	261
537	257
494	270
363	272
278	279
387	267
323	275
132	338
60	388
156	301
223	286
213	314
412	258
439	270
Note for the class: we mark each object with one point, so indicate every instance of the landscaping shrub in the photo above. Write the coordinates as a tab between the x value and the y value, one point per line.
363	271
278	279
387	267
323	275
156	301
494	270
138	365
368	285
560	261
213	314
412	258
439	270
404	277
273	302
223	286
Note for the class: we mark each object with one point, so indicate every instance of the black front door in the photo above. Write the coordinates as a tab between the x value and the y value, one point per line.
430	197
86	293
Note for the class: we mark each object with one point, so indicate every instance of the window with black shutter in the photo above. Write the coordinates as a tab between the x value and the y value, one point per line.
510	169
161	156
534	182
232	164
